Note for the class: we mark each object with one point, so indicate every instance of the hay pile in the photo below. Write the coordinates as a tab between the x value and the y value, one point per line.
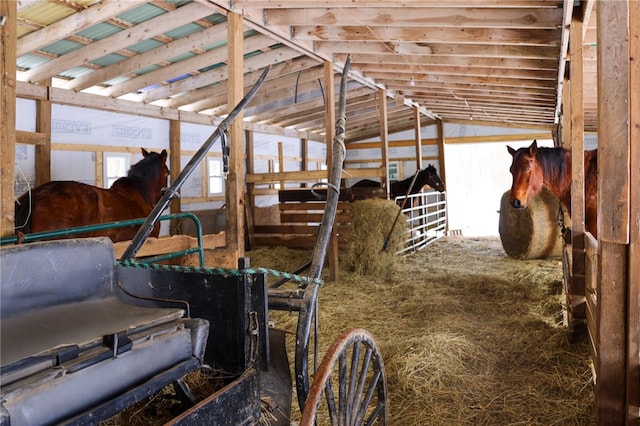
532	232
469	336
372	220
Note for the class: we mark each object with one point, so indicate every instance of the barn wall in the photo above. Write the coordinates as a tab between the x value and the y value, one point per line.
94	130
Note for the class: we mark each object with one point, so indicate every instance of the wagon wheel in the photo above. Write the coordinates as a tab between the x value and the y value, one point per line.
351	377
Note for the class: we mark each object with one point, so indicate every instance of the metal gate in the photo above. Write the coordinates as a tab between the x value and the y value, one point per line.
426	214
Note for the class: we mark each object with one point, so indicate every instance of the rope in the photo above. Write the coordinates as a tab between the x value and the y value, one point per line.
223	271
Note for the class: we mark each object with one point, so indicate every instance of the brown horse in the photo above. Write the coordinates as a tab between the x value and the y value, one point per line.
427	176
66	204
533	167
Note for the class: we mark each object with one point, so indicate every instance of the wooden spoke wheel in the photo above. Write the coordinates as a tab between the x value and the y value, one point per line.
350	387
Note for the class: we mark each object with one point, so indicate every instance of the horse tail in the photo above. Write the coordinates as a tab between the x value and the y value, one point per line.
23	208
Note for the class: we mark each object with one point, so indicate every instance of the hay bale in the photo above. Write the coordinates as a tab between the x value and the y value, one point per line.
371	221
531	232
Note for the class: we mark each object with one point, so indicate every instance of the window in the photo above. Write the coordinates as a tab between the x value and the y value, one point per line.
215	178
115	166
393	171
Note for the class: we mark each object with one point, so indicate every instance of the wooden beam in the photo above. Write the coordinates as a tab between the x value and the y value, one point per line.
9	15
236	178
251	193
576	291
175	167
498	36
633	345
613	210
384	138
418	133
43	151
440	17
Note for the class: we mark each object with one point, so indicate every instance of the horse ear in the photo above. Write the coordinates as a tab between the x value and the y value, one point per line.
533	147
163	154
144	152
511	150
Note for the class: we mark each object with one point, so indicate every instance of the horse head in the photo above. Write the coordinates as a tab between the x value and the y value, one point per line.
527	175
432	178
154	171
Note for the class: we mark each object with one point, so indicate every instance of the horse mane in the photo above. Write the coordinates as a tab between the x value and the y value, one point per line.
141	176
553	163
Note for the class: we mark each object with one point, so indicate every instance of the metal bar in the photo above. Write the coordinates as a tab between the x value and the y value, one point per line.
172	191
309	307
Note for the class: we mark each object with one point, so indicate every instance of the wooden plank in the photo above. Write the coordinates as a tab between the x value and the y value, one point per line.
440	17
613	209
304	194
307	206
234	190
30	138
613	125
8	10
296	229
311	218
292	242
576	290
633	346
251	193
165	245
418	137
499	36
384	138
174	170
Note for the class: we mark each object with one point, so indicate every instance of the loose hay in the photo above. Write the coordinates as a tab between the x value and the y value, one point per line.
371	221
469	336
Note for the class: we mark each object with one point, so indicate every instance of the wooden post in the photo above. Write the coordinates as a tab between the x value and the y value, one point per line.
174	169
330	131
281	162
250	198
613	209
235	180
43	152
384	139
576	290
9	14
443	172
633	345
418	132
442	140
304	155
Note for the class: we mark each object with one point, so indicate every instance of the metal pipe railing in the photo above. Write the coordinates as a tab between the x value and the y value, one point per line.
58	233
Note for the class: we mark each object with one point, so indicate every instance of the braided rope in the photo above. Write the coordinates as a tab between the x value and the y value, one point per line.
223	271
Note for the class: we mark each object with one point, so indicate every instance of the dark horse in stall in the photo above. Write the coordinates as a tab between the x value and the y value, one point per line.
66	204
427	176
533	167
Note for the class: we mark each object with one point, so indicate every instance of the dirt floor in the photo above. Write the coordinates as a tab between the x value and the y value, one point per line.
468	335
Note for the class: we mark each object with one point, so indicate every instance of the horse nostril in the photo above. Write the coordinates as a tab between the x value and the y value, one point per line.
516	203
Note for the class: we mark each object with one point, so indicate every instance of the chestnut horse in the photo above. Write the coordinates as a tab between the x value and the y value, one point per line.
66	204
533	167
427	176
